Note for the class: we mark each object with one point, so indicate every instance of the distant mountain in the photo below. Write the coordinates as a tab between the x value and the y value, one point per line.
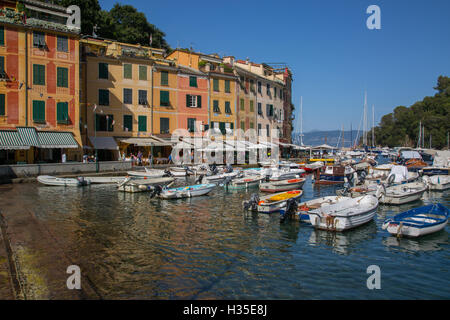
316	137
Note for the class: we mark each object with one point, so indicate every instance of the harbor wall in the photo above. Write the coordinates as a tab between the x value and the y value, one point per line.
52	169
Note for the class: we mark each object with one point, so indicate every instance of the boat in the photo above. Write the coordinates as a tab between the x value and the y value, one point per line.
400	194
402	175
437	182
104	180
271	203
218	178
185	192
344	215
243	183
284	174
133	185
441	164
174	171
418	221
333	174
148	173
282	185
69	182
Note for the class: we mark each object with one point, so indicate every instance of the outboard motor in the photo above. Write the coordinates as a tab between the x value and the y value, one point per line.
391	179
156	191
363	176
229	168
167	173
199	180
251	204
290	211
188	170
227	181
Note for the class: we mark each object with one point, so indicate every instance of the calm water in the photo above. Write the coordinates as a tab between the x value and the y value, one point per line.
207	248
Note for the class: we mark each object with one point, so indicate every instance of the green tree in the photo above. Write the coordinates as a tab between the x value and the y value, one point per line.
90	13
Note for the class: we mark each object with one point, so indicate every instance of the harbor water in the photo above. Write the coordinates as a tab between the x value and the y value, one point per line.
134	247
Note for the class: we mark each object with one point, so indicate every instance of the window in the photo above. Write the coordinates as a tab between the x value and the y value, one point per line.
164	78
103	97
143	97
251	106
164	125
259	129
62	112
274	92
193	101
142	123
2	105
62	44
259	86
241	82
259	108
281	94
216	85
102	70
2	68
252	125
227	86
143	73
267	130
39	40
164	98
39	111
216	106
191	124
193	81
227	107
104	122
62	77
243	125
2	35
222	127
127	122
252	86
269	110
128	96
38	74
127	71
242	105
268	89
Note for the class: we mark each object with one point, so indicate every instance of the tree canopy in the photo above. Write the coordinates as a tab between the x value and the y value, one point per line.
123	23
401	127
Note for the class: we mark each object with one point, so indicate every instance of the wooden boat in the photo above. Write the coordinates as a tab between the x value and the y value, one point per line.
187	192
400	194
131	184
69	182
275	202
418	221
244	183
344	215
437	182
333	174
105	180
282	185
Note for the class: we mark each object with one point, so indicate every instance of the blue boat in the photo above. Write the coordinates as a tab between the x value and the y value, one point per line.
418	221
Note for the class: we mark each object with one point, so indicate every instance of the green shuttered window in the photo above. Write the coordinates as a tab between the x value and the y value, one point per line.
62	112
128	123
251	106
62	44
164	98
2	35
2	105
127	73
191	124
103	97
62	77
143	73
102	70
127	96
242	105
193	81
227	107
164	78
39	111
216	85
164	125
38	74
227	86
142	123
2	66
216	106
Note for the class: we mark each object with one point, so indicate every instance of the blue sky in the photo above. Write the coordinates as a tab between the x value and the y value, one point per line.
332	54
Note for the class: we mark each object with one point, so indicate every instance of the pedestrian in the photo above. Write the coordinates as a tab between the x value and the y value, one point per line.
139	156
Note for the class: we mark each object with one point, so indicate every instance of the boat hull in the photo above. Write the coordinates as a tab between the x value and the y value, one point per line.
270	207
280	187
413	232
188	193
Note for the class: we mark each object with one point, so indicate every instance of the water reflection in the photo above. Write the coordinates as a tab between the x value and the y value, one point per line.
432	242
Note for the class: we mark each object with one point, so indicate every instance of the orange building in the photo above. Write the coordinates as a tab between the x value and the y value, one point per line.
39	87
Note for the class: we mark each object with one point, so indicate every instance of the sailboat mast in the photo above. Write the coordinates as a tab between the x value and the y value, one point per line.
373	126
365	120
301	120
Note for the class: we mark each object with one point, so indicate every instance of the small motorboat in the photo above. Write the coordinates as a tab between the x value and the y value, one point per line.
418	221
333	174
218	178
243	183
183	192
148	173
441	164
344	215
285	174
69	182
305	207
401	193
131	184
271	203
437	182
282	185
174	171
105	180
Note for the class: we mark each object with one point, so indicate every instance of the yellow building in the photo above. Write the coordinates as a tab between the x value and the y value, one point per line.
124	101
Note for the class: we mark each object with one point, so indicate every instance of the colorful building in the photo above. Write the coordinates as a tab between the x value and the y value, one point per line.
39	84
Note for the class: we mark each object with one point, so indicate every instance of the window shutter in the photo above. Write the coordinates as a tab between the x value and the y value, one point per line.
2	64
199	101
164	78
127	73
222	127
232	125
128	122
227	85
2	105
2	36
109	122
142	121
215	84
193	81
102	70
142	72
188	100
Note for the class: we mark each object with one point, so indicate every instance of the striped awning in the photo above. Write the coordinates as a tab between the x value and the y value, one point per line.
52	139
145	142
104	143
10	140
29	136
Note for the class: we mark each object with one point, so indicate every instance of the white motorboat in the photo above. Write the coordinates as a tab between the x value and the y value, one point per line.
418	221
148	173
186	192
244	183
282	185
344	215
105	180
143	185
400	194
271	203
69	182
221	177
284	174
441	164
437	182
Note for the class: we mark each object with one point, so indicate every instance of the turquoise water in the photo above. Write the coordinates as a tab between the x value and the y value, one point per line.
134	247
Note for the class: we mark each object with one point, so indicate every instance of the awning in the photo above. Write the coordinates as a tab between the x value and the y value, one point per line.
104	143
28	136
52	139
146	142
10	140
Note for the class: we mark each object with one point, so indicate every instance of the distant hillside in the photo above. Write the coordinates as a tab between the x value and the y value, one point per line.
314	138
